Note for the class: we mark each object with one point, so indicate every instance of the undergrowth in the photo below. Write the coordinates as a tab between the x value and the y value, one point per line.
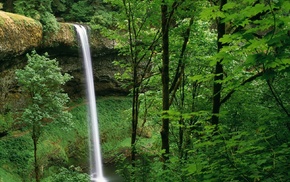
63	150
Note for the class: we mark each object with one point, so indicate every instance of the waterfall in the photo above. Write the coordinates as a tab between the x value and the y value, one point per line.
95	155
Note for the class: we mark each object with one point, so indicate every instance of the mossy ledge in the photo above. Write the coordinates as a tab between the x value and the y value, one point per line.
20	34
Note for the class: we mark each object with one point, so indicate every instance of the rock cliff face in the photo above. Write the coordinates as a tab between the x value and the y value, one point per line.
19	35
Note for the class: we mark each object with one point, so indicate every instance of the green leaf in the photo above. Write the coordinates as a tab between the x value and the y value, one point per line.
212	12
230	5
196	77
286	5
192	168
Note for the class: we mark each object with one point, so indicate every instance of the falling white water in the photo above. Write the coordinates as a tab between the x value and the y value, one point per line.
96	158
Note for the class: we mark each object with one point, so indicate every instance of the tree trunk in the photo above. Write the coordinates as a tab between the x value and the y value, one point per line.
135	99
217	86
135	111
36	166
165	81
35	140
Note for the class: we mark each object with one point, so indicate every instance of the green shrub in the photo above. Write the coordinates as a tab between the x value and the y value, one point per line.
27	8
71	174
49	23
39	10
16	154
149	168
249	155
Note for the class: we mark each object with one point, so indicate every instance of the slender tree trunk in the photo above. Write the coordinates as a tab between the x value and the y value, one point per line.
135	99
36	166
181	66
135	111
217	86
35	140
165	81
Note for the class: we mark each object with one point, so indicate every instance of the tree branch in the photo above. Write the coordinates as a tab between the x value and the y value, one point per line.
277	98
178	71
243	83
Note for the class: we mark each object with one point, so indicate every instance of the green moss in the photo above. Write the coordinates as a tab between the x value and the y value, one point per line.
65	35
2	22
18	33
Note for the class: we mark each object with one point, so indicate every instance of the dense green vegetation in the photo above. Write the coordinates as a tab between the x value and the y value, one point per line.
63	149
41	80
209	93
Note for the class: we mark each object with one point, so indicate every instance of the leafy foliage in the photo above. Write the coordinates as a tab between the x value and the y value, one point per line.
39	10
250	155
103	20
253	58
18	152
80	11
50	25
70	174
42	80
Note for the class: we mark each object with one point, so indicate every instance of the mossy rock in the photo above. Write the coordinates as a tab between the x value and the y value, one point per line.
64	36
18	34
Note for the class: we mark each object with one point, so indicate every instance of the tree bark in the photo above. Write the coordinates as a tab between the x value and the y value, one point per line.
165	81
217	85
135	99
135	111
35	137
